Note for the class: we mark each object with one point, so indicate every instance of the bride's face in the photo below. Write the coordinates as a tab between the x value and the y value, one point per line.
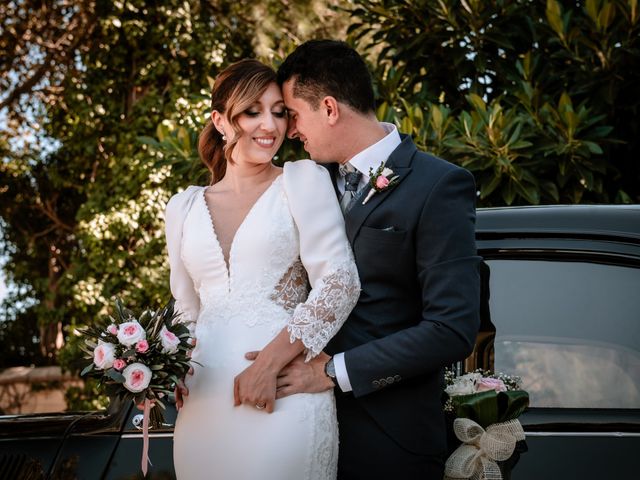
264	125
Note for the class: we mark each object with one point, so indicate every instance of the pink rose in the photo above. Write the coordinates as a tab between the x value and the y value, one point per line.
137	377
130	333
382	182
112	329
485	384
142	346
119	364
169	341
103	355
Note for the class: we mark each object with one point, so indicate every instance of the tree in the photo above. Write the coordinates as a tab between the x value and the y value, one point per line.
78	214
539	101
82	199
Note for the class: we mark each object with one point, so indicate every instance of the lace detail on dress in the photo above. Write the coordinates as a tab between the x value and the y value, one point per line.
293	287
325	455
329	304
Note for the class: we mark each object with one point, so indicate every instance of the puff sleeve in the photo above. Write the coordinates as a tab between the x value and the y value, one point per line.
182	288
325	253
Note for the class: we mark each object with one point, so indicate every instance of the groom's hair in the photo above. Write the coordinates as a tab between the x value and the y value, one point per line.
322	68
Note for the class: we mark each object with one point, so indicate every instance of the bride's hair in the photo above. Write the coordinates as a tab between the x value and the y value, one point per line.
235	89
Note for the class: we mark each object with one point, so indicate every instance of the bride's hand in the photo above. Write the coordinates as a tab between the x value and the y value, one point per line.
181	391
256	386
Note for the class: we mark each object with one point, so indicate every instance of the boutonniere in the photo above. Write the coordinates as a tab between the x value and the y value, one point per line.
382	179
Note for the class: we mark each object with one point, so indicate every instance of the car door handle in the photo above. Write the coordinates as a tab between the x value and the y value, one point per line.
138	419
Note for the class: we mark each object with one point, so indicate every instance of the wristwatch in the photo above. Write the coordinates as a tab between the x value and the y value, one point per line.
330	371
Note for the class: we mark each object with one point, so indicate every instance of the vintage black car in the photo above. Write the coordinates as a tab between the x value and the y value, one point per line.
561	309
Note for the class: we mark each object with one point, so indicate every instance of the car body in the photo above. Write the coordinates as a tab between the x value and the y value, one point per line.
561	309
563	313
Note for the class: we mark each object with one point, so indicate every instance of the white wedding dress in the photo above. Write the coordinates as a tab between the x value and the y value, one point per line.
293	238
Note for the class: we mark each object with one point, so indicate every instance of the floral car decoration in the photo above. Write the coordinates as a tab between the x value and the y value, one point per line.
486	407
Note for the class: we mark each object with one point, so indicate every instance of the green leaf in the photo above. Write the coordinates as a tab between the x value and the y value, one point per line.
115	375
508	193
606	15
436	117
591	6
477	102
381	113
554	17
481	407
593	147
86	369
565	103
633	7
512	404
487	408
487	189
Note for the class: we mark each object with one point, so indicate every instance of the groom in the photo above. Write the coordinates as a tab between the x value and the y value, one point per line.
413	241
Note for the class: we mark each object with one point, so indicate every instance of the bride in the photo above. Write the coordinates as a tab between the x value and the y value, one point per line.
259	261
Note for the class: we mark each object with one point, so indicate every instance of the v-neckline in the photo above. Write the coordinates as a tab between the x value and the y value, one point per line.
228	266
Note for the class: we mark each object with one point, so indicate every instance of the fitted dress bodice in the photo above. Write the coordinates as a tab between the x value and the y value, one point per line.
264	276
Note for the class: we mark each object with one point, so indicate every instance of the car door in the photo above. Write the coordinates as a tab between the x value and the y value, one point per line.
59	445
566	315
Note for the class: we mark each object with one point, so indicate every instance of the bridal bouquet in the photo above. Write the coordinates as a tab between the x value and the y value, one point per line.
486	407
139	358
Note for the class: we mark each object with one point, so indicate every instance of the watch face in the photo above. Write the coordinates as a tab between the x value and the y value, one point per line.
330	369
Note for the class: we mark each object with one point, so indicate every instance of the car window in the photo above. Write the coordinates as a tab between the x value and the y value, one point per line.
571	330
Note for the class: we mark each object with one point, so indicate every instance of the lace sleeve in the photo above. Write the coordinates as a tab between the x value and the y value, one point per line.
187	299
325	254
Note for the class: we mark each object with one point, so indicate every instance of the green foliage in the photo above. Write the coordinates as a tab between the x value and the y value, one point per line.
82	206
87	397
82	200
539	101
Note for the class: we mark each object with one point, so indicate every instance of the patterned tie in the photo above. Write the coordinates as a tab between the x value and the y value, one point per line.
351	181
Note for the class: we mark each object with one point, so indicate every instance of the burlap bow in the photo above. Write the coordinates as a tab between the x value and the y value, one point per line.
476	458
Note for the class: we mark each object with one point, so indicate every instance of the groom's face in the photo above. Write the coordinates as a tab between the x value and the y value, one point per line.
308	125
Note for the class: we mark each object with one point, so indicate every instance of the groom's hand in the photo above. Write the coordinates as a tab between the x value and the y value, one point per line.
300	376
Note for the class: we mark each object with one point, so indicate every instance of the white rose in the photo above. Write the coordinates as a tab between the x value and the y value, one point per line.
130	333
464	385
137	377
104	355
169	341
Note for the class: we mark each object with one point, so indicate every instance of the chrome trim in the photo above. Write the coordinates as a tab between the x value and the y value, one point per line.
151	435
528	434
582	434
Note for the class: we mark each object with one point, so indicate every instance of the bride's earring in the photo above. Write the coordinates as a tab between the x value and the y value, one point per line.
224	137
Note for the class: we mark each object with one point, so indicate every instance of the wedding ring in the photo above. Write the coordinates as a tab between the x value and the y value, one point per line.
261	406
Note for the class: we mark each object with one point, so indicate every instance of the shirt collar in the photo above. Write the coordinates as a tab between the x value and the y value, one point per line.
372	156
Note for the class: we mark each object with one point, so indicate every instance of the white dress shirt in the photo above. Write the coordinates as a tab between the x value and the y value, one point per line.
369	158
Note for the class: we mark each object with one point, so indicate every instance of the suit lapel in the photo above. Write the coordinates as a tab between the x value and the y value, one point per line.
399	161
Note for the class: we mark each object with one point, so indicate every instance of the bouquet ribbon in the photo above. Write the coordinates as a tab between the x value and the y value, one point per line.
476	458
145	437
